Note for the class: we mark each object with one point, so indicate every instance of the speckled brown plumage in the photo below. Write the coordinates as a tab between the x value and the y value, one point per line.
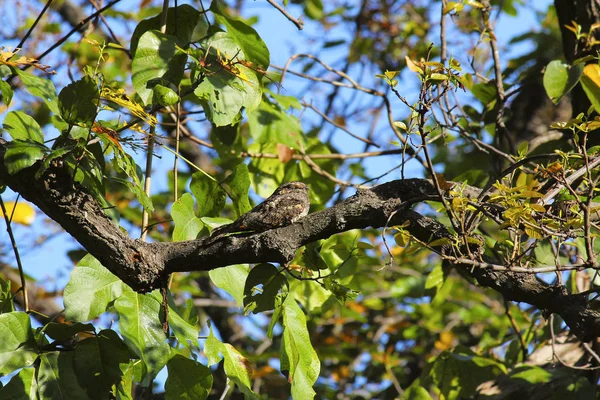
285	206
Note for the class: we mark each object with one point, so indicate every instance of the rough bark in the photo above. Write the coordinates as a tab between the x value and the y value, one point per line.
146	266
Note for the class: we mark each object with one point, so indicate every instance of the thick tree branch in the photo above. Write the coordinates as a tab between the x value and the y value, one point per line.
145	266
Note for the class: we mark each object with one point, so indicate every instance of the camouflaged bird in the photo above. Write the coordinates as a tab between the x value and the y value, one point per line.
285	206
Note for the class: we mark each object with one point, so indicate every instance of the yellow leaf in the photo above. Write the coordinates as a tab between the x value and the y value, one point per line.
446	340
438	77
440	242
412	66
391	74
590	81
533	233
532	194
452	6
400	125
120	97
592	71
537	208
402	238
475	4
24	214
590	126
458	203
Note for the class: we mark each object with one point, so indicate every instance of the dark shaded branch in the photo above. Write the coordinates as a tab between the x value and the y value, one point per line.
146	266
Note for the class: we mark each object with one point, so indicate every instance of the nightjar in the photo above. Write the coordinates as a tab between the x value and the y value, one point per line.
285	206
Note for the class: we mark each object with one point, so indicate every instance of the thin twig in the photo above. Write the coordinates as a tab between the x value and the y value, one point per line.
500	126
352	85
152	138
335	156
572	178
516	329
177	139
322	172
110	31
534	270
225	391
332	122
22	42
13	243
176	162
555	354
148	180
296	21
68	35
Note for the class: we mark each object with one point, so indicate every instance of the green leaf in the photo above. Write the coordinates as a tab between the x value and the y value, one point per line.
341	293
231	279
238	369
6	297
17	347
486	93
436	278
124	389
261	288
401	125
275	318
285	101
245	37
125	163
98	363
314	9
560	78
228	85
415	392
513	353
61	331
181	23
20	155
138	190
187	225
7	93
186	333
532	374
311	257
141	327
311	297
164	96
212	223
22	386
187	379
321	189
53	155
78	102
57	379
458	374
156	58
269	123
239	184
40	87
212	348
210	196
91	288
299	361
